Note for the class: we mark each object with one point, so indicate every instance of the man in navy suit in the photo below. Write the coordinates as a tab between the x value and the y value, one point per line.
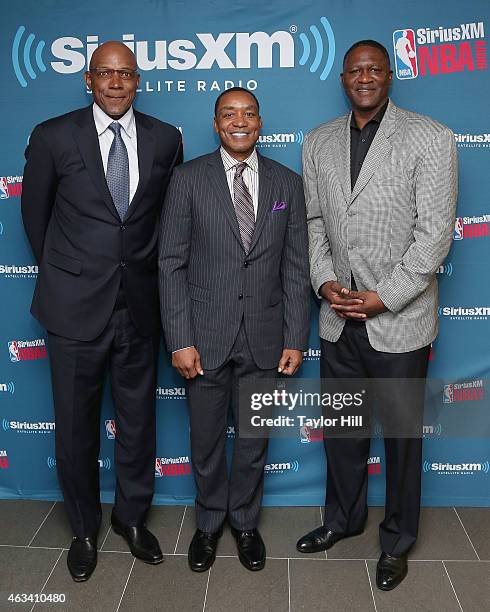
94	184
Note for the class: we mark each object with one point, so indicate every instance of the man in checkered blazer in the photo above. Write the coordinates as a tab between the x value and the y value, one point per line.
381	186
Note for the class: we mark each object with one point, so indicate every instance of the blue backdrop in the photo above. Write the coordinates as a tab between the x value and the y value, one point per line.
291	57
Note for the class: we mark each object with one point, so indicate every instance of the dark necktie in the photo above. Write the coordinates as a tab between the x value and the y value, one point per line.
117	175
244	208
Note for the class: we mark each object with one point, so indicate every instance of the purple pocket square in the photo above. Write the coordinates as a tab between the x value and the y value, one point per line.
279	206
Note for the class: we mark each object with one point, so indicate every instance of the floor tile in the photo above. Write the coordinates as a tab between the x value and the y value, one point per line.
56	530
281	528
101	592
471	581
233	588
364	546
163	521
425	589
226	545
329	586
170	586
477	524
441	536
20	520
23	570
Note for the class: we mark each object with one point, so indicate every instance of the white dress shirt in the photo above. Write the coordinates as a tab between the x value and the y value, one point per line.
250	175
128	134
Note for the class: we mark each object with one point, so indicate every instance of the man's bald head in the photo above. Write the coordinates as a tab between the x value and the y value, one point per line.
108	48
112	77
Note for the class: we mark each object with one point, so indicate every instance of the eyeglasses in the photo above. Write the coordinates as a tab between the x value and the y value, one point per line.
107	73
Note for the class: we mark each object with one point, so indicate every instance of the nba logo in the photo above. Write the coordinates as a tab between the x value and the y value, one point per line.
4	190
458	229
448	396
110	429
158	468
13	351
404	48
305	434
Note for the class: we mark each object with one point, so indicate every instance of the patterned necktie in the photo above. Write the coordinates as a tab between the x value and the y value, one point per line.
244	208
117	175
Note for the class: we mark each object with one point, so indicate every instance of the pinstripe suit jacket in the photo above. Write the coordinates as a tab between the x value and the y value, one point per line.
392	231
208	284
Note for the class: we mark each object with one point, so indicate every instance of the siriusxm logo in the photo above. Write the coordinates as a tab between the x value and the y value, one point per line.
446	269
7	388
172	466
429	431
312	354
104	463
229	50
30	428
457	468
374	465
165	393
280	139
463	49
13	271
4	460
280	468
465	141
471	227
10	187
466	391
461	313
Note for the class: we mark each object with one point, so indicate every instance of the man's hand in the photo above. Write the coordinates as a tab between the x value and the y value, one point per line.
290	361
337	295
187	362
368	304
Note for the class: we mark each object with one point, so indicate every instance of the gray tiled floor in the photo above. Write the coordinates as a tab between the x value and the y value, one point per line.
449	567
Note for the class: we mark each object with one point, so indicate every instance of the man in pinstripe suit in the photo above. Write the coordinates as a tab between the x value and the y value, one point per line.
235	306
381	186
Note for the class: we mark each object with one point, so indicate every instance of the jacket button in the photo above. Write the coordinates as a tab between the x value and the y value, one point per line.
240	297
245	265
123	264
123	227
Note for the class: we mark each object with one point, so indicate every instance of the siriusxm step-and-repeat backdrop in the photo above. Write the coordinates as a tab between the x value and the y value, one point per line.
290	55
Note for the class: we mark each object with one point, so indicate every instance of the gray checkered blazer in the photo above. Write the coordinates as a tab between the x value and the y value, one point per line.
392	231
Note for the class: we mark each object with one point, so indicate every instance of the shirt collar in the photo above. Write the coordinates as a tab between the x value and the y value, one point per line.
103	121
230	162
378	117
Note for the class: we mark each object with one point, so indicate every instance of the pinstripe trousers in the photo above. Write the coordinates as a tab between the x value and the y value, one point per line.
220	493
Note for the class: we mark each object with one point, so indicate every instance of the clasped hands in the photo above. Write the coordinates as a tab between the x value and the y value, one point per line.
349	304
188	362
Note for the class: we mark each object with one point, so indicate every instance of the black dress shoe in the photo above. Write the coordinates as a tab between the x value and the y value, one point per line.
82	558
390	571
202	550
251	548
142	543
320	539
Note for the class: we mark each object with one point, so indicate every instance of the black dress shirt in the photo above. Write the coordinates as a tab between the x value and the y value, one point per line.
360	141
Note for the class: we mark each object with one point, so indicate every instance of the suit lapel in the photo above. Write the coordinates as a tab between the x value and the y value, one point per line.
378	150
264	200
217	176
341	154
146	154
88	144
